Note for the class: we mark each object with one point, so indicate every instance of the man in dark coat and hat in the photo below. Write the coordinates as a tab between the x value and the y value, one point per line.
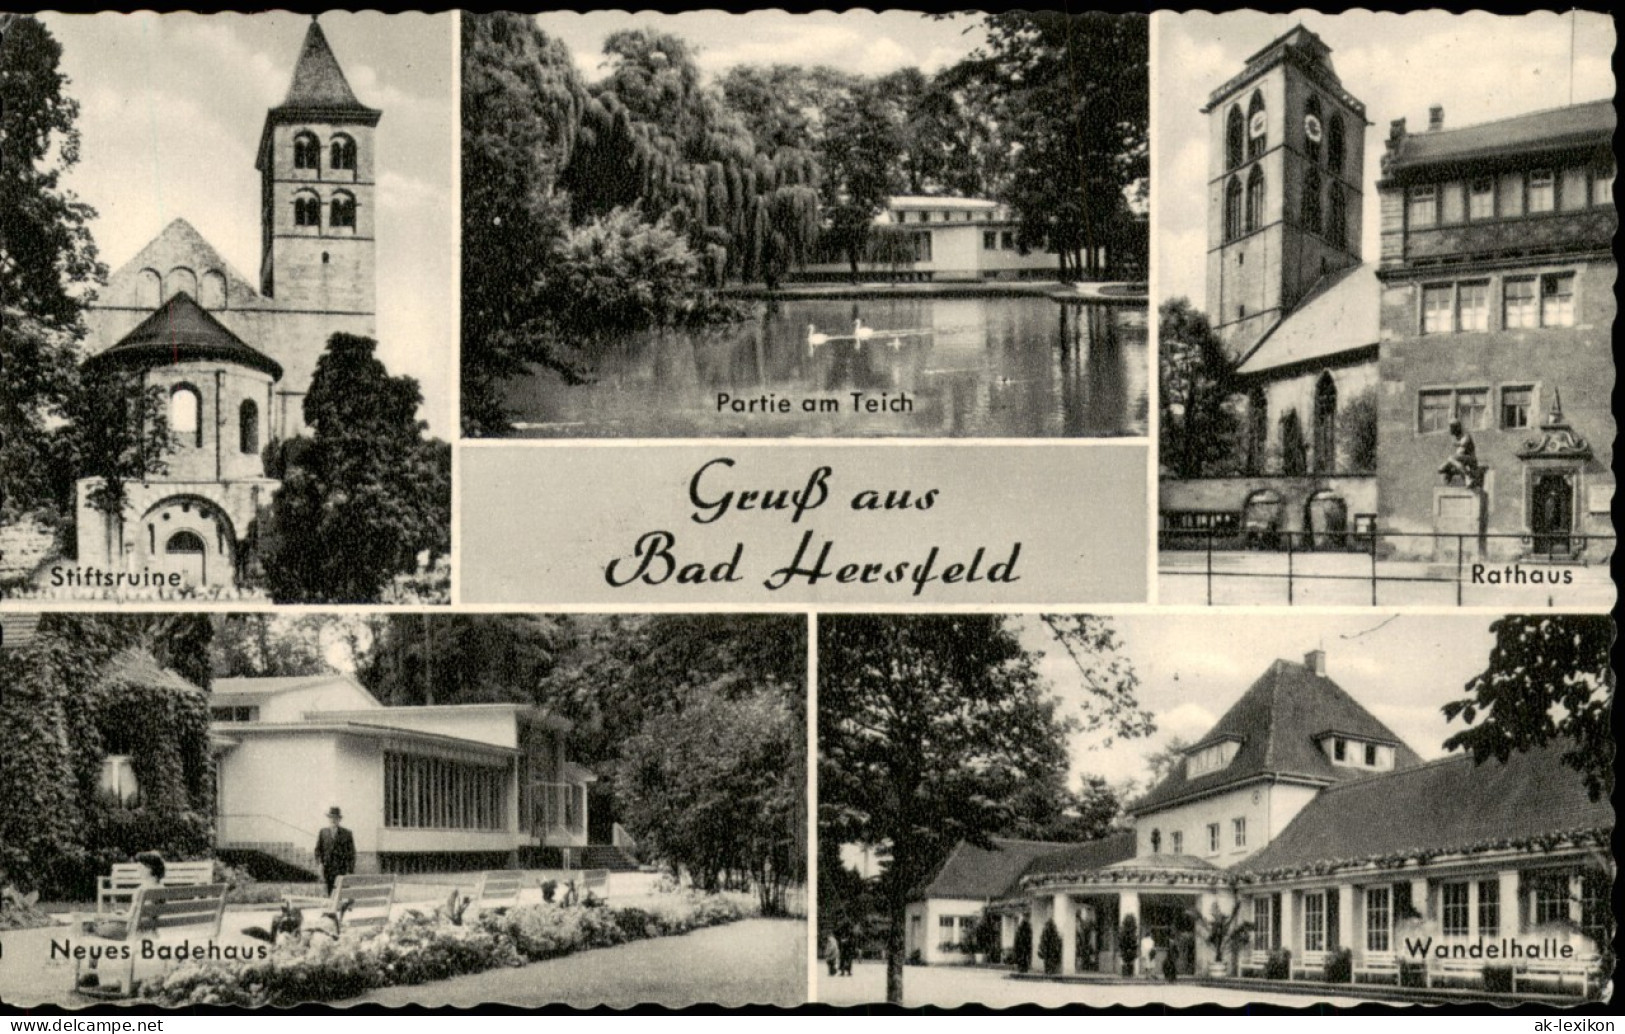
335	848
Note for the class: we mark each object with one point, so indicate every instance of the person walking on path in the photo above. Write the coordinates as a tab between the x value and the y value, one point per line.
335	848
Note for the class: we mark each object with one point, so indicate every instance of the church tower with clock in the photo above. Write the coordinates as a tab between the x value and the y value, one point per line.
1286	146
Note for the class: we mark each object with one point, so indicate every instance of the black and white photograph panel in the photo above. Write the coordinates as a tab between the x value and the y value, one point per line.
264	810
1215	808
1386	306
833	224
230	282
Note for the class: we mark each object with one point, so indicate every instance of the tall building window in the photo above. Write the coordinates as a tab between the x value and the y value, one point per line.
1212	838
185	410
1542	191
1311	201
990	240
1473	305
1518	307
1423	207
1255	199
1550	894
1473	408
1235	136
1325	430
1454	910
342	210
1436	306
1257	126
1314	921
1314	130
1263	922
342	154
1452	204
1481	199
1517	405
1238	827
1433	411
1334	143
1378	905
1489	908
1337	216
307	152
1602	185
1510	195
1574	192
1176	842
1156	841
1557	300
1232	209
307	210
248	427
438	793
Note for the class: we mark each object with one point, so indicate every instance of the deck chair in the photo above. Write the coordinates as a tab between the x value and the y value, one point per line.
357	903
154	911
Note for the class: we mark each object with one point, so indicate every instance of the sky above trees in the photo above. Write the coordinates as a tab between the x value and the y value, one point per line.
171	110
1480	66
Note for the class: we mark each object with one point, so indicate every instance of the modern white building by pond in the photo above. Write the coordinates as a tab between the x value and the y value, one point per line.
945	239
1302	814
460	786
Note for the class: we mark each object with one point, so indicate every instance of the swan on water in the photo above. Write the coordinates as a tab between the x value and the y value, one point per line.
814	337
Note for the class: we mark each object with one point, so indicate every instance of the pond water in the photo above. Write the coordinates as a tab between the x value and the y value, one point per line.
1025	367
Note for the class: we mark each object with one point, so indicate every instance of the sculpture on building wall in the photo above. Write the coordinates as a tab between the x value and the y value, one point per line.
1463	463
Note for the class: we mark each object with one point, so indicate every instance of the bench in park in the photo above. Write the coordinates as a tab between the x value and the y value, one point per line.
1369	965
357	902
498	888
154	911
122	881
1576	972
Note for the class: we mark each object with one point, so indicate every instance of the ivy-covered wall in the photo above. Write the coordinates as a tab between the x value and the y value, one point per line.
86	687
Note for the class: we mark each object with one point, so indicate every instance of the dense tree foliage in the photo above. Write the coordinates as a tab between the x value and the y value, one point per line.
365	494
1196	383
931	728
268	645
1548	681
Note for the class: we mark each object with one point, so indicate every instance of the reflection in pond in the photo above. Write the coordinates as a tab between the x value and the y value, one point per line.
984	367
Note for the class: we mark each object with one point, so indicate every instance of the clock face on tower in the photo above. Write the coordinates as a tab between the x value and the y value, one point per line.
1256	796
1311	128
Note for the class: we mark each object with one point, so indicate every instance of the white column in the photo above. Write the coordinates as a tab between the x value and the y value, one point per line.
1128	904
1472	910
1065	925
1511	907
1345	916
1035	918
1419	899
1289	926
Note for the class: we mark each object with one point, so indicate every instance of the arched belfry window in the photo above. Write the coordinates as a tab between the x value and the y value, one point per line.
248	427
1325	443
1255	200
1257	127
342	210
1235	137
1232	209
307	210
1337	216
185	414
1334	143
1311	200
1314	128
307	152
341	155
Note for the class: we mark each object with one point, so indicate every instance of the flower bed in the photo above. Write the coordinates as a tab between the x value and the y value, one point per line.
415	948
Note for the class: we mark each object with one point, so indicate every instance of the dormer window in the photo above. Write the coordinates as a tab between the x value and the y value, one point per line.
1371	755
1340	750
1352	752
1210	758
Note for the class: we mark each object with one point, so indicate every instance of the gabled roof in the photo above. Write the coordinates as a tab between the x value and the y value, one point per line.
1092	854
270	685
179	330
1341	313
180	243
1277	720
139	667
1445	806
983	874
1577	125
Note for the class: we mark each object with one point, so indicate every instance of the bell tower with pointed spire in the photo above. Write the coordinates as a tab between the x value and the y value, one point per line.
318	190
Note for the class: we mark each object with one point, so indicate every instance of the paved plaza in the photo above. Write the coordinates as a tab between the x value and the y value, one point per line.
952	986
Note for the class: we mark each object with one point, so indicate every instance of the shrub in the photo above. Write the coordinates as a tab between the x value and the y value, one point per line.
1128	943
1413	974
1049	948
1339	968
1498	979
1279	965
1023	949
